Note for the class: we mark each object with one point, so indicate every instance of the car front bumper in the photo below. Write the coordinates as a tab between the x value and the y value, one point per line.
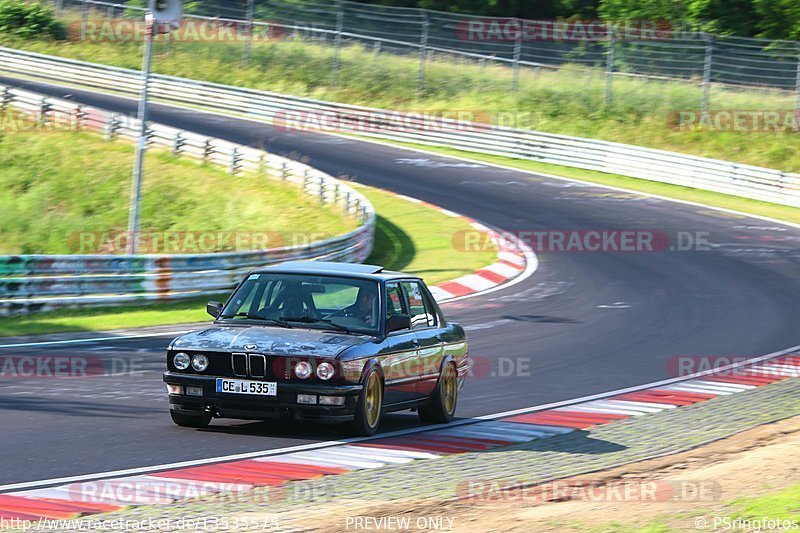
252	407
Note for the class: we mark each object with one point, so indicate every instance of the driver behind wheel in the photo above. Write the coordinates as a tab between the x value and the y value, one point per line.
364	308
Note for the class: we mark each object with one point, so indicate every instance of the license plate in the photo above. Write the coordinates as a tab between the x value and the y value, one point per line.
240	386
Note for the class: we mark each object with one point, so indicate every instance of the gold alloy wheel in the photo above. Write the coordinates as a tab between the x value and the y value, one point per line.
449	390
373	399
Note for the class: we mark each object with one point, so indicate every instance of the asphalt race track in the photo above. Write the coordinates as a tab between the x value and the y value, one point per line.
584	323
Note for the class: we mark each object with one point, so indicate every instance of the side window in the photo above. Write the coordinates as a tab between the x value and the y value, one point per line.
394	300
421	314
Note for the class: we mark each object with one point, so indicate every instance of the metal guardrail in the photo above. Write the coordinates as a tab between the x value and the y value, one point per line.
42	282
288	111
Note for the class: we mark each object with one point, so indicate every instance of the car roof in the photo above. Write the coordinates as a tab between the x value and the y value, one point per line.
353	270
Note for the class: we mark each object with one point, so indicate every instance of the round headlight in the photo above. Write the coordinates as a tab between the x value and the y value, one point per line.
325	371
181	361
199	362
302	369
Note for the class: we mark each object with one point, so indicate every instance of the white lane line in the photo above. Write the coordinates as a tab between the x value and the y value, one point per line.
546	430
603	410
637	404
487	434
390	451
333	457
667	384
779	370
290	459
653	385
373	454
95	339
733	387
621	409
693	388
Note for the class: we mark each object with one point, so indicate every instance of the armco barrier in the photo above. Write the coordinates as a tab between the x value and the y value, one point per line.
42	282
645	163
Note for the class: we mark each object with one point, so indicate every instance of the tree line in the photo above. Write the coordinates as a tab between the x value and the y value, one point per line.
773	19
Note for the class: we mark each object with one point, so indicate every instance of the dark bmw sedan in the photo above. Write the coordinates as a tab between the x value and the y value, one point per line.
328	342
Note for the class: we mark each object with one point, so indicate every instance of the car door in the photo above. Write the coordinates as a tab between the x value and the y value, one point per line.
402	359
424	323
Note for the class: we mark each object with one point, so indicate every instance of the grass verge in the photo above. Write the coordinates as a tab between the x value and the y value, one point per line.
416	239
405	240
64	192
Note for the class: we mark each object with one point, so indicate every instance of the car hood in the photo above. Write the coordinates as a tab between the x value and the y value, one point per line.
268	340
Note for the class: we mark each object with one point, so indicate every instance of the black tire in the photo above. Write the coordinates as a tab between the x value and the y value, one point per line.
190	421
442	406
369	406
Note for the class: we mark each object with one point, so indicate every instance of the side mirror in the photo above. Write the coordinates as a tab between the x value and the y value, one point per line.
214	309
398	323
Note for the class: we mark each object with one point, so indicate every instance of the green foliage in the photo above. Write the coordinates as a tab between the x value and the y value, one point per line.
734	17
778	19
29	20
671	10
775	19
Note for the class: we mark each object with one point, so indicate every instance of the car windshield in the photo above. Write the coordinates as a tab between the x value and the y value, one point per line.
313	301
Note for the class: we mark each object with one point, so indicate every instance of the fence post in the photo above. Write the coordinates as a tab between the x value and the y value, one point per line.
111	127
177	143
423	53
612	44
84	14
338	41
234	168
44	108
248	43
79	116
6	101
376	49
704	103
517	56
322	189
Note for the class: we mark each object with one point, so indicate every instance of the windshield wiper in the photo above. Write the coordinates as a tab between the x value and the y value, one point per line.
309	320
249	316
